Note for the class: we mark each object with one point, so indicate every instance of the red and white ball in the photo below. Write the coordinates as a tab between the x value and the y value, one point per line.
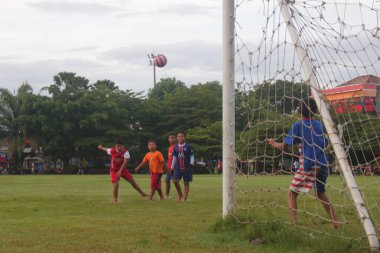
160	60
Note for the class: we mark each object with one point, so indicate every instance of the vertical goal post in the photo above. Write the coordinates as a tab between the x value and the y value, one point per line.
229	199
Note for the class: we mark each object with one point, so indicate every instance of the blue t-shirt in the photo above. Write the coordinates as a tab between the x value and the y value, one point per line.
311	135
183	154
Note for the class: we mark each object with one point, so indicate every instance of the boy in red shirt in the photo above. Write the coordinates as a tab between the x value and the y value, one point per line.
171	140
156	167
118	168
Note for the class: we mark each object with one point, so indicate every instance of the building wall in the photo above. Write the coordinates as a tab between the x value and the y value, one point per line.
354	98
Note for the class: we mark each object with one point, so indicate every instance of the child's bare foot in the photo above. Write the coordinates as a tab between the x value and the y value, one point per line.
115	202
145	195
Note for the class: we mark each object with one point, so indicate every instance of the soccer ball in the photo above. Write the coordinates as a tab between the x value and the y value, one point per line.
160	60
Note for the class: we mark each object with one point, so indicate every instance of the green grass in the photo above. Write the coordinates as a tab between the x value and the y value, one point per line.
56	213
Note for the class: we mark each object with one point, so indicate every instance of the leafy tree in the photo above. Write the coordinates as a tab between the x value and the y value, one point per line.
77	117
63	113
105	85
67	83
166	86
200	105
11	109
207	141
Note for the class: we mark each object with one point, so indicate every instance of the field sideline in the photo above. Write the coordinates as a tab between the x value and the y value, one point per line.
68	213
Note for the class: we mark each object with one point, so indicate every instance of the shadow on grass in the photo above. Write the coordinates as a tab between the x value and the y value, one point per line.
232	235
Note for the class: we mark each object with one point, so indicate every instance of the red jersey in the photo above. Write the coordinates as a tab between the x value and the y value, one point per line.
117	158
170	156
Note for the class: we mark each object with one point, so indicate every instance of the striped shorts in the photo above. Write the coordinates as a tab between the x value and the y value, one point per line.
303	181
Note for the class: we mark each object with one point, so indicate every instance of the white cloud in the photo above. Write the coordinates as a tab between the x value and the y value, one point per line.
73	7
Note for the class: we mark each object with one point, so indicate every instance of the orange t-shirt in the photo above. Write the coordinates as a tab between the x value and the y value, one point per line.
156	161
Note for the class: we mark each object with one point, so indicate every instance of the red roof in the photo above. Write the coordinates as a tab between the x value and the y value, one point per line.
349	88
369	79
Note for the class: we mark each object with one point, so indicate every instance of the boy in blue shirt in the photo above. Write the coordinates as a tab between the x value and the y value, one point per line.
183	159
310	137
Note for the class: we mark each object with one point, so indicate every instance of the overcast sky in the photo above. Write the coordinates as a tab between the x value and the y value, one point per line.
109	39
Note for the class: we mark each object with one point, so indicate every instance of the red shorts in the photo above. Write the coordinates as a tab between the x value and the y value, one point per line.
124	174
155	181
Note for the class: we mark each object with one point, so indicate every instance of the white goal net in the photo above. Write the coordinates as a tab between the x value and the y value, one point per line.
334	58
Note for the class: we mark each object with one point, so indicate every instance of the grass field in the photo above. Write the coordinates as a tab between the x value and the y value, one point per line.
67	213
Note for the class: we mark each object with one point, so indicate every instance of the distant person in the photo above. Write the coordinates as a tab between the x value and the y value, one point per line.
40	167
183	160
367	170
59	170
220	166
169	171
309	135
118	168
215	166
156	167
209	167
33	169
80	168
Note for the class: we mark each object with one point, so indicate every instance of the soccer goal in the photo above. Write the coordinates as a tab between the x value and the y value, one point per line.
277	54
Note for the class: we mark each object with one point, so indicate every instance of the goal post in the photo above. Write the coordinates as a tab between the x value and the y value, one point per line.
229	167
331	130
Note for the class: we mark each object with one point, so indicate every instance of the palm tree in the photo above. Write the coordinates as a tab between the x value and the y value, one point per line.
10	128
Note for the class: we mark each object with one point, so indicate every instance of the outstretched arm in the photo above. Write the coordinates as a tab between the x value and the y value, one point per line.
278	145
140	165
100	147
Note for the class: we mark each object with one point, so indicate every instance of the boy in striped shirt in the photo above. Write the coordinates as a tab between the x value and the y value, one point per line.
183	160
310	137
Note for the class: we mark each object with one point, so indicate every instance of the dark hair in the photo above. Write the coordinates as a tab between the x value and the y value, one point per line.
308	107
172	134
151	140
182	132
120	141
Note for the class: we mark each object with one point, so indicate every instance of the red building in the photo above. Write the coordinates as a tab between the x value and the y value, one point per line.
361	94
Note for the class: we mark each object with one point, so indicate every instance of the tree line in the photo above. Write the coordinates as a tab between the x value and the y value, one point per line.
71	116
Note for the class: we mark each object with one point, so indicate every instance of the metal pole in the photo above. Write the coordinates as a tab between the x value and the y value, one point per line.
229	200
331	131
154	73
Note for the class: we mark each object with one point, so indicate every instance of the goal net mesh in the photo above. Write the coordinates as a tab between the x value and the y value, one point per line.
341	40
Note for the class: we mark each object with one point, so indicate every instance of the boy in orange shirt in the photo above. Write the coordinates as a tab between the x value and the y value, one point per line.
156	167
